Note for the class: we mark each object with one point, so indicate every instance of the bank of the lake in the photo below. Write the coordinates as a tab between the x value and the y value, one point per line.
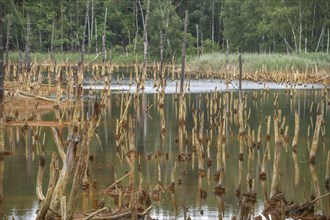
252	62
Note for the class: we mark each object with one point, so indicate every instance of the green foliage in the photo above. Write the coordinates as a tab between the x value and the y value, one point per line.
165	19
248	25
210	46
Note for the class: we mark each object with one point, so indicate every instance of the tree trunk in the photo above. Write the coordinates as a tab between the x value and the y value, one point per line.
300	26
8	37
320	39
88	29
212	23
61	8
27	44
184	51
294	149
2	70
161	46
92	24
145	41
227	70
40	177
52	40
82	162
84	35
197	41
328	42
2	136
240	108
314	14
104	51
219	38
53	174
292	29
202	44
96	50
313	150
275	185
136	24
40	39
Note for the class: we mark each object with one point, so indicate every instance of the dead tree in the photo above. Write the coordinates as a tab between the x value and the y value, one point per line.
82	162
52	40
136	24
328	41
8	37
27	58
2	71
197	41
161	47
104	51
96	50
61	20
53	174
145	41
184	50
276	183
84	35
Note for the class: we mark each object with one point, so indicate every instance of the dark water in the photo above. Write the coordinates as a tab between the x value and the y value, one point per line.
20	170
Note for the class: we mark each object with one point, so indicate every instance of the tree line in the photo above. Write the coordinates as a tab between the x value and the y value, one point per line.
291	26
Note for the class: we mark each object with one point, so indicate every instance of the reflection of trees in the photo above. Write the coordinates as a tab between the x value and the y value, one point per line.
2	147
141	118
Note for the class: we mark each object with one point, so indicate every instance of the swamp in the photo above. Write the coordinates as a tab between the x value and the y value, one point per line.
164	109
160	152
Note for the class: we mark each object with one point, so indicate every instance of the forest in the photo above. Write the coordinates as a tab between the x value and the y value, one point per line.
258	26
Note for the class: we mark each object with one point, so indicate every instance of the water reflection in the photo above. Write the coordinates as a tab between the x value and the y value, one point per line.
185	126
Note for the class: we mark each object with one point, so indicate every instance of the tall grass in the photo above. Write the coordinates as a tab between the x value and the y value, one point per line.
116	58
253	62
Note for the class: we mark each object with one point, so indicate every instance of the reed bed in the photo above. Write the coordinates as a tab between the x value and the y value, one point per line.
263	62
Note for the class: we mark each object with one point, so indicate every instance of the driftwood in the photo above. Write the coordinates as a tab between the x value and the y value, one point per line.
51	186
116	182
70	157
278	207
248	201
37	123
63	178
96	212
83	160
113	216
58	144
28	95
40	176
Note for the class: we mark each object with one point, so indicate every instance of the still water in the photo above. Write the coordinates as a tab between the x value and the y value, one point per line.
20	170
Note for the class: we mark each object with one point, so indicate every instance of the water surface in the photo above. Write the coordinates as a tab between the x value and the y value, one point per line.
20	170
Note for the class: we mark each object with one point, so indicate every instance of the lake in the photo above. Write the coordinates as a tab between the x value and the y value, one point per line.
193	193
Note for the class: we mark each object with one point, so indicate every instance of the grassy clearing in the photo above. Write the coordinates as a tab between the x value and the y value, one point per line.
262	62
117	58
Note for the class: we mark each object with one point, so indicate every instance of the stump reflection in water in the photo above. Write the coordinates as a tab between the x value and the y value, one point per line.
161	135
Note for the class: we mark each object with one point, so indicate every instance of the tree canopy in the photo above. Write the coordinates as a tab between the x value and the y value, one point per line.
248	25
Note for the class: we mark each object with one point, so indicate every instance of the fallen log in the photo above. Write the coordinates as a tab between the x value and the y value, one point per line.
38	123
